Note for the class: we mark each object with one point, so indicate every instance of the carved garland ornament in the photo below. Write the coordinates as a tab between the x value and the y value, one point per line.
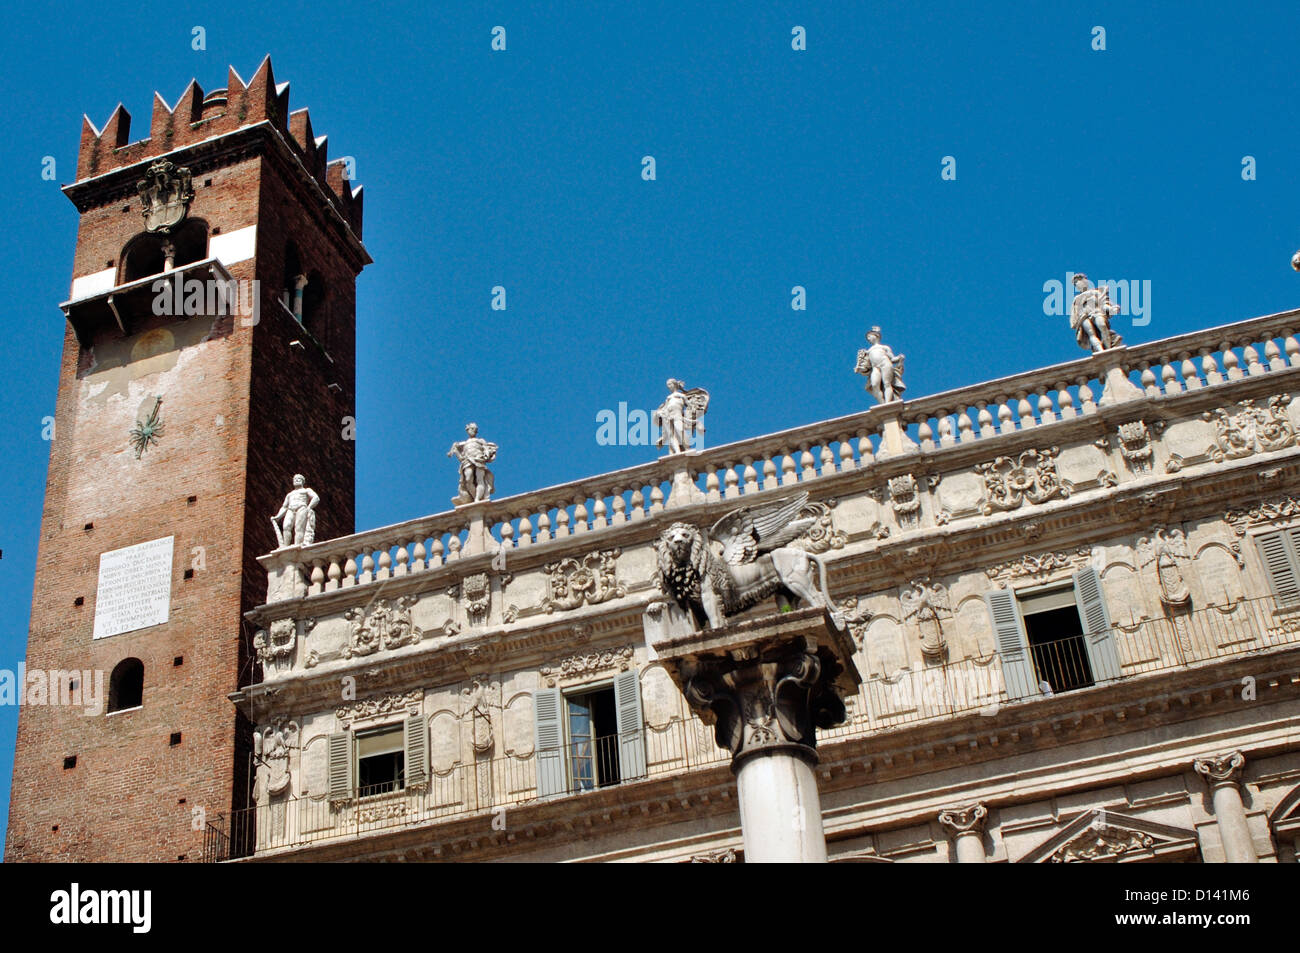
1285	507
377	705
1251	430
1040	565
821	535
1102	843
586	581
1031	476
385	626
587	663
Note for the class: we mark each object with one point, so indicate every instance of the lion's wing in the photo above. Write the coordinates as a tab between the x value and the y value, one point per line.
752	530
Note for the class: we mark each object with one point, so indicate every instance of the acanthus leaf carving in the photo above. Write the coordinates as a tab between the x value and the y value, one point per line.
1031	476
589	580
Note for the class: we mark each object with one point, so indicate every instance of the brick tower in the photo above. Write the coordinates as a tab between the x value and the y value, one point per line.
209	355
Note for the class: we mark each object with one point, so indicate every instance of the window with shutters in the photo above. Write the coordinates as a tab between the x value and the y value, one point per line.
381	760
1055	639
1280	555
589	737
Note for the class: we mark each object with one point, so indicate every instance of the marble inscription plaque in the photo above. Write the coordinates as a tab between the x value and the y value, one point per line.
135	588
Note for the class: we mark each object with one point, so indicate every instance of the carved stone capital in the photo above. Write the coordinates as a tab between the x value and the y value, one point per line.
766	684
1221	770
964	820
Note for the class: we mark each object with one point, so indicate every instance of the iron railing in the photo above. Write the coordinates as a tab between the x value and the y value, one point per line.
1180	639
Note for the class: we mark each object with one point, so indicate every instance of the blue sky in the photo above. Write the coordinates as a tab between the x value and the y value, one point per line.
775	168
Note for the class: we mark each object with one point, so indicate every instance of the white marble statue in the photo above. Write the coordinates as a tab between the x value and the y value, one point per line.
1090	315
678	417
474	454
882	368
295	523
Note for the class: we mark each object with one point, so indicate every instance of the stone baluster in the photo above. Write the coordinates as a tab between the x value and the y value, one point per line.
1273	354
788	475
1231	363
385	564
507	534
453	547
965	825
418	555
1065	399
806	469
1292	348
865	453
335	575
1086	403
1025	412
1210	367
1251	357
1006	423
769	475
1149	382
946	437
712	493
580	524
544	526
599	513
1169	377
985	419
751	476
1191	379
526	529
317	576
925	434
638	505
562	522
1223	774
827	459
437	552
656	498
731	488
1046	409
367	569
350	571
620	508
965	431
846	454
403	561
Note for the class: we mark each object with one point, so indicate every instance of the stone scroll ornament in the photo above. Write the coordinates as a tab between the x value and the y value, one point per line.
882	368
678	417
1030	477
590	580
1090	314
474	454
756	562
295	523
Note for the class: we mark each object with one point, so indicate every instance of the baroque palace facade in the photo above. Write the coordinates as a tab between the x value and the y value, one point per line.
1071	596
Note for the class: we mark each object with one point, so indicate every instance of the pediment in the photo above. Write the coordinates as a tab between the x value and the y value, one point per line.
1104	836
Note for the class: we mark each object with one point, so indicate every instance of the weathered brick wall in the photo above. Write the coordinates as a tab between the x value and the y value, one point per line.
243	410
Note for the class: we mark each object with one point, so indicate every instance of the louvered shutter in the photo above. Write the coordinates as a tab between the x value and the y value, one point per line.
631	727
1098	636
1277	551
340	766
548	742
1017	670
416	741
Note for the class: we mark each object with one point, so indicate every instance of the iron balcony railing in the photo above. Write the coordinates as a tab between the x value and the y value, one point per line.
1178	640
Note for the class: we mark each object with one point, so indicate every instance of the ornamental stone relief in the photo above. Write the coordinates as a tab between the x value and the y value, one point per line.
905	500
1281	508
1102	844
277	645
385	626
587	581
479	699
1135	446
1043	564
1251	429
1166	551
587	663
476	590
1029	477
925	607
271	747
821	535
378	706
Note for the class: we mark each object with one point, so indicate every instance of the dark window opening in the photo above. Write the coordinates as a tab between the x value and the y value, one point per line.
1058	650
178	660
175	739
381	762
126	685
79	601
144	255
69	762
592	719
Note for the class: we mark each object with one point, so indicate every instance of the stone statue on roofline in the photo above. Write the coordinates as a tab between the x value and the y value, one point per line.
474	454
678	417
1090	315
295	523
882	368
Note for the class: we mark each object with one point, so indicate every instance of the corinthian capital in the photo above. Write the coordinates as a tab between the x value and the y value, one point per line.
1221	769
964	820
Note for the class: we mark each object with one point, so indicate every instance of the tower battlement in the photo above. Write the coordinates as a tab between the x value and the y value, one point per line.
198	117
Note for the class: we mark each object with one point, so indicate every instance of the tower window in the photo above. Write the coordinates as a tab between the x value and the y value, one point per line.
175	739
126	685
69	762
146	254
